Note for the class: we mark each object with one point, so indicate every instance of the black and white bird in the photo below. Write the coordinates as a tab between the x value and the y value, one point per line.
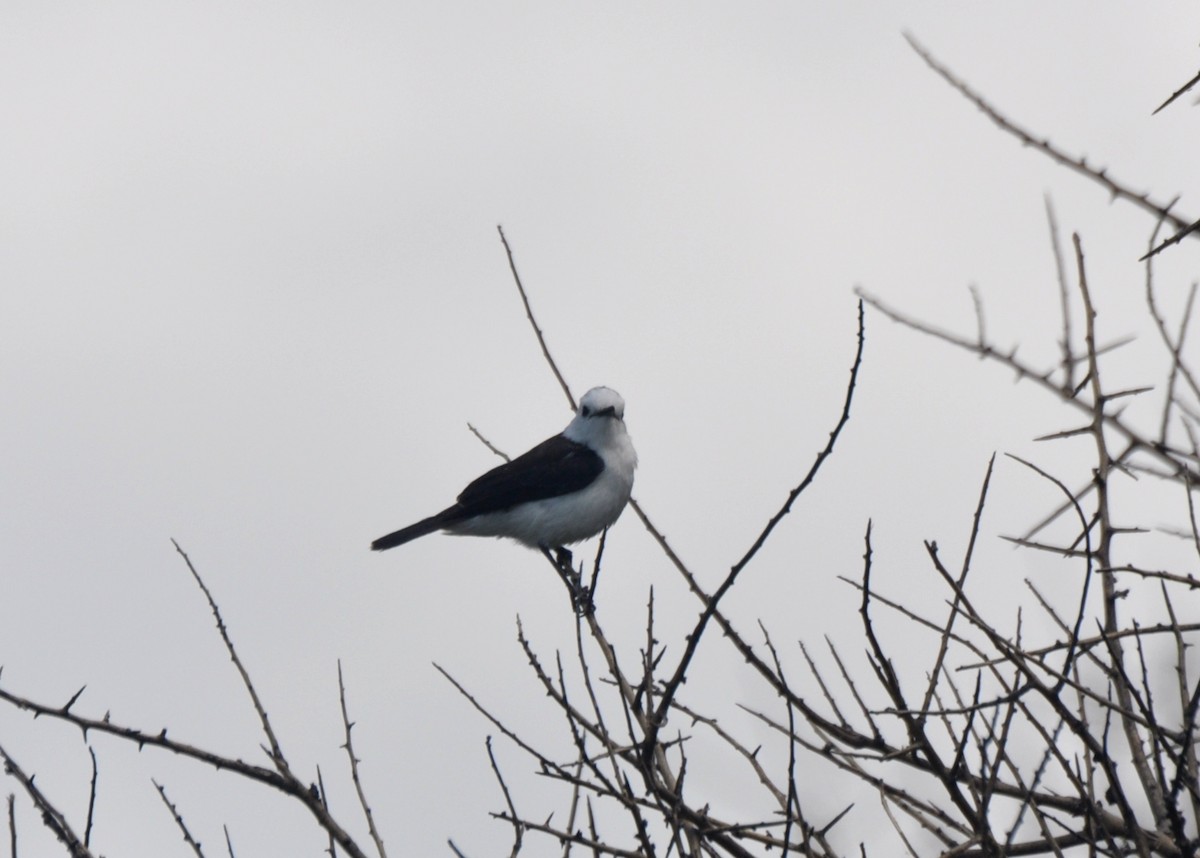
566	489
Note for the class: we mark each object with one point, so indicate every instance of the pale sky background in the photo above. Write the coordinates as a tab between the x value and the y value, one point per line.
251	293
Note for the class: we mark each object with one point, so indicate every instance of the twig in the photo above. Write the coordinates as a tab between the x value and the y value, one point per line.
1104	547
750	756
1085	535
354	761
914	723
142	738
518	828
1079	165
516	739
1178	368
488	443
52	817
598	847
87	830
287	782
1068	357
1177	93
562	382
947	632
977	303
178	817
816	674
896	825
331	849
1085	643
1174	239
1175	459
693	640
277	756
791	810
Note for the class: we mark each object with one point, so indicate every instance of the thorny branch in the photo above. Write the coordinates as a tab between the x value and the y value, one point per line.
178	817
1048	735
1019	768
280	776
1080	165
52	817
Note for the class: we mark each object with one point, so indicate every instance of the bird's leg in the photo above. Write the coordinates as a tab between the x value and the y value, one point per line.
565	571
563	562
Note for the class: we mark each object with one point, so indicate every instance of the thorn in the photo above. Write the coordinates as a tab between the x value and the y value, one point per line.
71	702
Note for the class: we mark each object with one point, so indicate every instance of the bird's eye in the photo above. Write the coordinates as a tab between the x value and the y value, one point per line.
585	411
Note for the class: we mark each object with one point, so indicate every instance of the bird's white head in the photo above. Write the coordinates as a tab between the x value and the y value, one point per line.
602	402
600	417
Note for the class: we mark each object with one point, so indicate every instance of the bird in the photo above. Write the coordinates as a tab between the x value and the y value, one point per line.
567	489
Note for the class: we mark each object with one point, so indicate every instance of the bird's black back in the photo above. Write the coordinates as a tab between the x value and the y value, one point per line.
557	466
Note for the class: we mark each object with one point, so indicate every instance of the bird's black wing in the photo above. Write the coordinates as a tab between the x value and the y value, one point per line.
557	466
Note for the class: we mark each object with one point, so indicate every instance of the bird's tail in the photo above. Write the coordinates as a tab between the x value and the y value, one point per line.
407	534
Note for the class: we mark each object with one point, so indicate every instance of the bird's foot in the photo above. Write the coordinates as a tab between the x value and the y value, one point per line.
581	601
564	562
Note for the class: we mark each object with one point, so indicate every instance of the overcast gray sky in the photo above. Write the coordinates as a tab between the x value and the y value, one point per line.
251	293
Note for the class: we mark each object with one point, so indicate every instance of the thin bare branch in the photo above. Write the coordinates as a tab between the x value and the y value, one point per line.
12	825
91	812
483	440
1079	165
1190	229
512	265
518	828
947	632
52	817
1065	344
693	640
1191	83
347	725
1104	550
1175	459
277	756
178	817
